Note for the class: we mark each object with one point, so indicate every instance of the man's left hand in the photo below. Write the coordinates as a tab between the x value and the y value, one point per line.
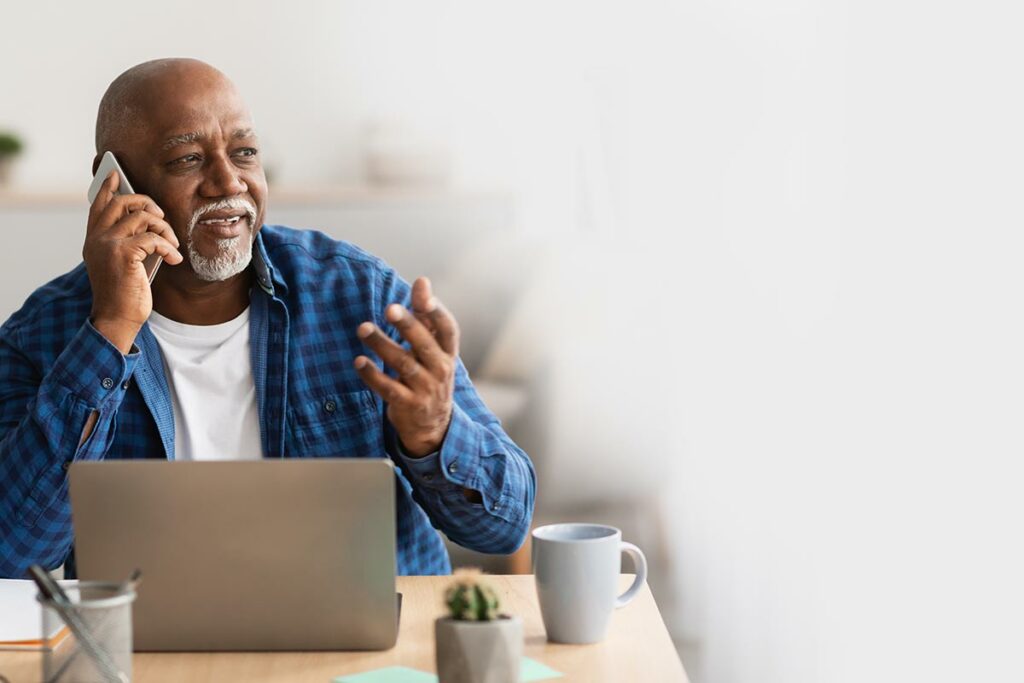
420	400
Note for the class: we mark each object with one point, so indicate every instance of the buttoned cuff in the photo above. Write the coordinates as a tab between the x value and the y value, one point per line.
94	369
425	469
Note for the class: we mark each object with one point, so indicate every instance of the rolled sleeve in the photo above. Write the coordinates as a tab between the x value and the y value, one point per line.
94	369
474	457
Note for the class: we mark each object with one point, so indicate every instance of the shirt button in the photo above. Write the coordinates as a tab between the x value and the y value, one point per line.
428	477
124	385
107	383
495	506
330	406
65	465
452	468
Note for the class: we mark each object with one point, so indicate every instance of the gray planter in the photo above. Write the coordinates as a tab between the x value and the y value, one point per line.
478	651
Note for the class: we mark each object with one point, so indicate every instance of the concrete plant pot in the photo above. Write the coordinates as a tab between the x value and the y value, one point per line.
478	651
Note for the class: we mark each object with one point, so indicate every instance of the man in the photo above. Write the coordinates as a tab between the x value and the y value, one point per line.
253	341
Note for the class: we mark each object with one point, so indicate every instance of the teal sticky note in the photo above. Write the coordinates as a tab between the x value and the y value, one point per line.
532	670
390	674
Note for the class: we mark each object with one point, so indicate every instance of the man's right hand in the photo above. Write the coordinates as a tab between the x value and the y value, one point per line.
123	230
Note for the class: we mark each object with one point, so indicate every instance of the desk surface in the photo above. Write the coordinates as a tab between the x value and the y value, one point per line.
638	647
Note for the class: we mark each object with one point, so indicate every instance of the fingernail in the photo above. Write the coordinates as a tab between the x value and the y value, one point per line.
395	313
365	330
361	362
432	304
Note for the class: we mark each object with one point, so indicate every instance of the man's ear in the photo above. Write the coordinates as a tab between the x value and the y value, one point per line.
96	163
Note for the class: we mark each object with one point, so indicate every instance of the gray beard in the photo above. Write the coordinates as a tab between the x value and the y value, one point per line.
233	253
233	256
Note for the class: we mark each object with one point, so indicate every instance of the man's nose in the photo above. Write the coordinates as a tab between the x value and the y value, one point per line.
222	179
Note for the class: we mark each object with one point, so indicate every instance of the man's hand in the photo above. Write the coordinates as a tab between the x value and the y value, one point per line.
420	400
123	230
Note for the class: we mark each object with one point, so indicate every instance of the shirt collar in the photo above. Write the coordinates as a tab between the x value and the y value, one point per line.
266	275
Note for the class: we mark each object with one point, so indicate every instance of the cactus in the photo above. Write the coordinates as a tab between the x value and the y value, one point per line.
470	599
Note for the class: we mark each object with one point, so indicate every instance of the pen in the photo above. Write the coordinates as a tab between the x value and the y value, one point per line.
52	591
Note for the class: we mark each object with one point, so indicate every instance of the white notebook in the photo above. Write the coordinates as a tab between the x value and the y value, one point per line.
21	616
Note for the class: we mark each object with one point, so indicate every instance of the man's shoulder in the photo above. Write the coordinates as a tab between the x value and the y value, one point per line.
315	265
286	245
68	297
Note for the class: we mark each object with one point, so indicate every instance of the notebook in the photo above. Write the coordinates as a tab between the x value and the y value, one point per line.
21	617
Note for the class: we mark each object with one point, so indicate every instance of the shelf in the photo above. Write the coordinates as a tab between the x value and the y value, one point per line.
285	195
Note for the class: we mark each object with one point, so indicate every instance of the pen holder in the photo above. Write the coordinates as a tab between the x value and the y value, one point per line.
106	611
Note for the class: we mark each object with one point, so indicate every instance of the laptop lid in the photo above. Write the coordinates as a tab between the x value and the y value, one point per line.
290	554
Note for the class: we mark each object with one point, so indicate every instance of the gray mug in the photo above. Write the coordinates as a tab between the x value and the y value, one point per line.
576	567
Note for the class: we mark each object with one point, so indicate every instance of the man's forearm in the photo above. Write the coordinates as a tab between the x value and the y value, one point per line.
42	429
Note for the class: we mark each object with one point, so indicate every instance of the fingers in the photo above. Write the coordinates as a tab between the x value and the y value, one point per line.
424	346
107	191
447	329
435	317
147	243
120	206
394	356
422	295
392	391
143	221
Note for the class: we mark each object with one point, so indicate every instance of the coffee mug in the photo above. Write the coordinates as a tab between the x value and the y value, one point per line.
576	567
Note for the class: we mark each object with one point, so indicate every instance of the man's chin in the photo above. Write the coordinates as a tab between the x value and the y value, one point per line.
223	265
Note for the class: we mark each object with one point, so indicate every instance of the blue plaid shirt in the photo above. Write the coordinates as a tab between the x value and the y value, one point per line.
310	294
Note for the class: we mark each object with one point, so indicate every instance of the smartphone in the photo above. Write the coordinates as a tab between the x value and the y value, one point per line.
107	164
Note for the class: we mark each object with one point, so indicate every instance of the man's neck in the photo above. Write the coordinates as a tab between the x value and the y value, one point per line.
186	299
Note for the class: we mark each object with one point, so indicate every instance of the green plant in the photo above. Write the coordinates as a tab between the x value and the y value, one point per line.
470	598
10	144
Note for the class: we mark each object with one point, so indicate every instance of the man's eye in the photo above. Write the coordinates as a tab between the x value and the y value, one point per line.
247	152
187	159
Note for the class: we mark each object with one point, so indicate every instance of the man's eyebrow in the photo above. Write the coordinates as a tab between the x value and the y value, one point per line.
182	139
186	138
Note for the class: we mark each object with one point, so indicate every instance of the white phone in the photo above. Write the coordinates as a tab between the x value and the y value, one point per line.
107	164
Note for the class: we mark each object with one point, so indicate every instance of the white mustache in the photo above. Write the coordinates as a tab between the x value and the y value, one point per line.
224	205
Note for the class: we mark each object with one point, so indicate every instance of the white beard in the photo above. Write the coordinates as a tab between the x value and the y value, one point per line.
233	253
233	256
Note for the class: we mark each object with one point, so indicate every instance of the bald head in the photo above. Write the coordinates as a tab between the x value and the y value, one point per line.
130	100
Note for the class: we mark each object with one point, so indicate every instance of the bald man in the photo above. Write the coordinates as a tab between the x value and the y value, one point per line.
254	341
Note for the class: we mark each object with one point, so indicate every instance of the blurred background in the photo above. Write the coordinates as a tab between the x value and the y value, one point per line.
742	276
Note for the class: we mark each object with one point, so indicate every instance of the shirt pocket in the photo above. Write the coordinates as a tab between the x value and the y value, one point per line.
341	425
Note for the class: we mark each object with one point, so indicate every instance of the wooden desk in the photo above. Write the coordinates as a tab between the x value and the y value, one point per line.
638	647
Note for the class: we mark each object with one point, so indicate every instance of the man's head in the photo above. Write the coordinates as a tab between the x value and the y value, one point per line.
184	137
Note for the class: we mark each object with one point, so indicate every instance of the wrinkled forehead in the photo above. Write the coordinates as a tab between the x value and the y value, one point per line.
204	111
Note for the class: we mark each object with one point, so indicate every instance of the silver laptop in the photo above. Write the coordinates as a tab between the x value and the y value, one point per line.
287	554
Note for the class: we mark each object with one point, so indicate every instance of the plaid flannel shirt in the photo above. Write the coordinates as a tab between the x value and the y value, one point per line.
310	293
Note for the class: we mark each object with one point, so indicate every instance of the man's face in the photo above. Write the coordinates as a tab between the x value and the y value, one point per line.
197	156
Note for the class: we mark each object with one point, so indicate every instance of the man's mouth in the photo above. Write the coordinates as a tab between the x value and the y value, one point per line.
224	227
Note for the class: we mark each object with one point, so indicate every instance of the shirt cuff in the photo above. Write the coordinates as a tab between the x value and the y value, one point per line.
94	369
424	470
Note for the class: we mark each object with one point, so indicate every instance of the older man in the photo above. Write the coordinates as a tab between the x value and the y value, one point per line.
249	344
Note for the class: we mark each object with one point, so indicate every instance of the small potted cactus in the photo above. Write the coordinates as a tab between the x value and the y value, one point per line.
475	643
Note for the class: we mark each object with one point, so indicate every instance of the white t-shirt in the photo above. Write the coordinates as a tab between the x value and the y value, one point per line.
209	374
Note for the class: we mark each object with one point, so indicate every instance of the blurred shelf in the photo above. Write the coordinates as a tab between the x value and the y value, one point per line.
287	195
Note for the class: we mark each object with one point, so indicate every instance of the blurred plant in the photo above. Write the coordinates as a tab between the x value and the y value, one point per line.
470	598
10	145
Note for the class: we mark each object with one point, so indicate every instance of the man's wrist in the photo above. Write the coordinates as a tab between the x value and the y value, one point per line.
419	450
120	333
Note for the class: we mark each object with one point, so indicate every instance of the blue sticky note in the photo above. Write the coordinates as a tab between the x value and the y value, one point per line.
390	674
532	670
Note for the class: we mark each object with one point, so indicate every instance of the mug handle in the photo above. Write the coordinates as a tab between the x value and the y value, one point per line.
640	562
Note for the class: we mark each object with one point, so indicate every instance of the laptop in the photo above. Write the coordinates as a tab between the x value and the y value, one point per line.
290	554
